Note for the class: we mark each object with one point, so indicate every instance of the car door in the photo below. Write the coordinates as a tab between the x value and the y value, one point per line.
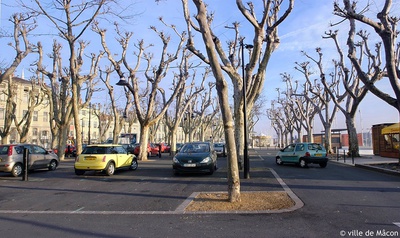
288	154
123	158
36	159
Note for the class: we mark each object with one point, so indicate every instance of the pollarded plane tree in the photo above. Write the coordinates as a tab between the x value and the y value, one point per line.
354	92
272	114
148	115
23	25
317	89
186	94
36	101
298	107
377	67
118	115
71	19
265	41
287	115
60	93
202	114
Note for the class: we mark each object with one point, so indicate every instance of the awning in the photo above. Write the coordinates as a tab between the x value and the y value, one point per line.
392	129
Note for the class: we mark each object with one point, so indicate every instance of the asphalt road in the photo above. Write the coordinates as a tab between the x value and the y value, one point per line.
339	201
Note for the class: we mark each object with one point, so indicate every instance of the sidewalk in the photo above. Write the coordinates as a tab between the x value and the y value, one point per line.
370	161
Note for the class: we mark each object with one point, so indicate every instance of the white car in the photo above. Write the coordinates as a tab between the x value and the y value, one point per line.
220	149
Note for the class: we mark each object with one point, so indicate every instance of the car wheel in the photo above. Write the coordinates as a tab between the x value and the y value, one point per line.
278	161
110	169
176	173
134	164
303	163
79	172
323	164
16	170
53	165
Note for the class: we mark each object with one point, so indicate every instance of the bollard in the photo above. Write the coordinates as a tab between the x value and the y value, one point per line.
352	157
337	153
344	156
25	160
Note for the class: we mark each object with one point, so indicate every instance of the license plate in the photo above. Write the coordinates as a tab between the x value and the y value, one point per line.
189	165
90	158
318	155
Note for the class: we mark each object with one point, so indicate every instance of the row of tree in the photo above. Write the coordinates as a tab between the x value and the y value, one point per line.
71	89
342	85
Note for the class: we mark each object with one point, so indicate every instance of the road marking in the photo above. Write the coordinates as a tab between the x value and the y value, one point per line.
397	223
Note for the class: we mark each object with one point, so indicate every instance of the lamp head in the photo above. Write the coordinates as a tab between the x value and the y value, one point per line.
122	82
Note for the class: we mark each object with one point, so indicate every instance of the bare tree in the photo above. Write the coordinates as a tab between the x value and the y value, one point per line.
353	95
326	115
375	69
149	115
61	94
35	97
265	40
22	28
72	19
183	99
10	110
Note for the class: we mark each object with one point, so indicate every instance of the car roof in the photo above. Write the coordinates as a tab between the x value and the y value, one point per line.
103	145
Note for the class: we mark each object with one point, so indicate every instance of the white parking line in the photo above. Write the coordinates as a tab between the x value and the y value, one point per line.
397	223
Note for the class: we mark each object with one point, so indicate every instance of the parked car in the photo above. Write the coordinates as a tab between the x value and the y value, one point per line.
11	158
130	148
195	157
163	147
104	158
220	149
152	150
179	146
70	150
303	154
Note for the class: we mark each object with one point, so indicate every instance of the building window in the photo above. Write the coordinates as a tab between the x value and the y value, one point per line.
35	131
35	116
45	116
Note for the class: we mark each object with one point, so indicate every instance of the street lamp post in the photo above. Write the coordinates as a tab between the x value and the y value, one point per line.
90	115
246	168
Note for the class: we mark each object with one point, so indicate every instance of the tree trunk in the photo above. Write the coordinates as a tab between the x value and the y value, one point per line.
144	140
353	139
62	137
328	138
173	139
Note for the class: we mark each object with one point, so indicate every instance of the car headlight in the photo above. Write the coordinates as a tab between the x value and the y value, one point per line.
175	160
206	160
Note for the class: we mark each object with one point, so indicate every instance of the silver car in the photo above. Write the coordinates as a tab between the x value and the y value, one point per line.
11	158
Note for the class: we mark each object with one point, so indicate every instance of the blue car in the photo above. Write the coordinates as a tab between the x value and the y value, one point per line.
303	154
195	157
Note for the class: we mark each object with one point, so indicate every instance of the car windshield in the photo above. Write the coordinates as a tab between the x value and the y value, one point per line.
195	148
95	150
219	145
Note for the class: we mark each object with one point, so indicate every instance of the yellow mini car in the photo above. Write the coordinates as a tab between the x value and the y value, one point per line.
104	158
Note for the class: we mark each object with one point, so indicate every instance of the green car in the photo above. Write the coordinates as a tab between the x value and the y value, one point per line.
303	154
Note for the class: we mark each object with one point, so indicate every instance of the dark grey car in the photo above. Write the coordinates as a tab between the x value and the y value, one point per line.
195	157
11	158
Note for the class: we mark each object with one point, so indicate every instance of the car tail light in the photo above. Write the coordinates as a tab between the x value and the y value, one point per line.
104	158
10	150
307	154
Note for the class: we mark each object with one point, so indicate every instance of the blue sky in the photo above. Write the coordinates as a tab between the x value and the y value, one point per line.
301	31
